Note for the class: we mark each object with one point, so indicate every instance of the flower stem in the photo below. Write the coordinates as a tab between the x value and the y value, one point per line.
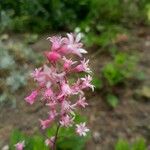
56	136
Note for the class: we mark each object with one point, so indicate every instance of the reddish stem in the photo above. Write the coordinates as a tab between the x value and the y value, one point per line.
56	137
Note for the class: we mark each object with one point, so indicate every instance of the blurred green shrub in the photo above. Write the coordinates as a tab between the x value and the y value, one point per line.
106	35
139	144
122	68
119	70
41	15
148	11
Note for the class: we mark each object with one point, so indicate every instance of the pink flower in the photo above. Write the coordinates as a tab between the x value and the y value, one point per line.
68	63
81	102
50	141
52	114
86	82
81	129
65	90
32	97
52	56
50	76
38	76
45	123
66	121
48	93
52	104
83	67
66	107
56	41
36	73
20	145
76	88
73	45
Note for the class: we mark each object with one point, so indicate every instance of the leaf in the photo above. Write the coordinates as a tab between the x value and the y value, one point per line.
15	137
112	100
112	74
122	145
139	145
97	83
38	143
148	11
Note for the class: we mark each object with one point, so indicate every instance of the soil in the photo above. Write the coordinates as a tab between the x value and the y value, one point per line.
129	120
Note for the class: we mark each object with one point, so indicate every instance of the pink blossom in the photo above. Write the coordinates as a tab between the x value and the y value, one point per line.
48	93
52	114
36	73
50	141
81	129
38	76
66	121
65	90
77	87
73	45
68	63
83	67
66	106
56	41
53	56
50	76
32	97
46	123
20	145
86	82
52	104
81	102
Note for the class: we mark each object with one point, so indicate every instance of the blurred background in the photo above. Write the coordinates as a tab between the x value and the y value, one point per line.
116	34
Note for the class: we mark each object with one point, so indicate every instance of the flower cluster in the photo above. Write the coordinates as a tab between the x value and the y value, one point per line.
55	89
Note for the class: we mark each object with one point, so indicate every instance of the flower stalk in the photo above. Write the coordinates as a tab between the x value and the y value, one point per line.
55	89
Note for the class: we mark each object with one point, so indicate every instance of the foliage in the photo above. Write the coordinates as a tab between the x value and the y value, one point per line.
120	69
112	100
64	142
40	15
37	142
97	83
148	11
123	67
105	36
139	144
34	143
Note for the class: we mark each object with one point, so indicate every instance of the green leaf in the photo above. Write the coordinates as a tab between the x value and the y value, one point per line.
97	83
15	137
38	143
139	145
112	100
122	145
112	74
